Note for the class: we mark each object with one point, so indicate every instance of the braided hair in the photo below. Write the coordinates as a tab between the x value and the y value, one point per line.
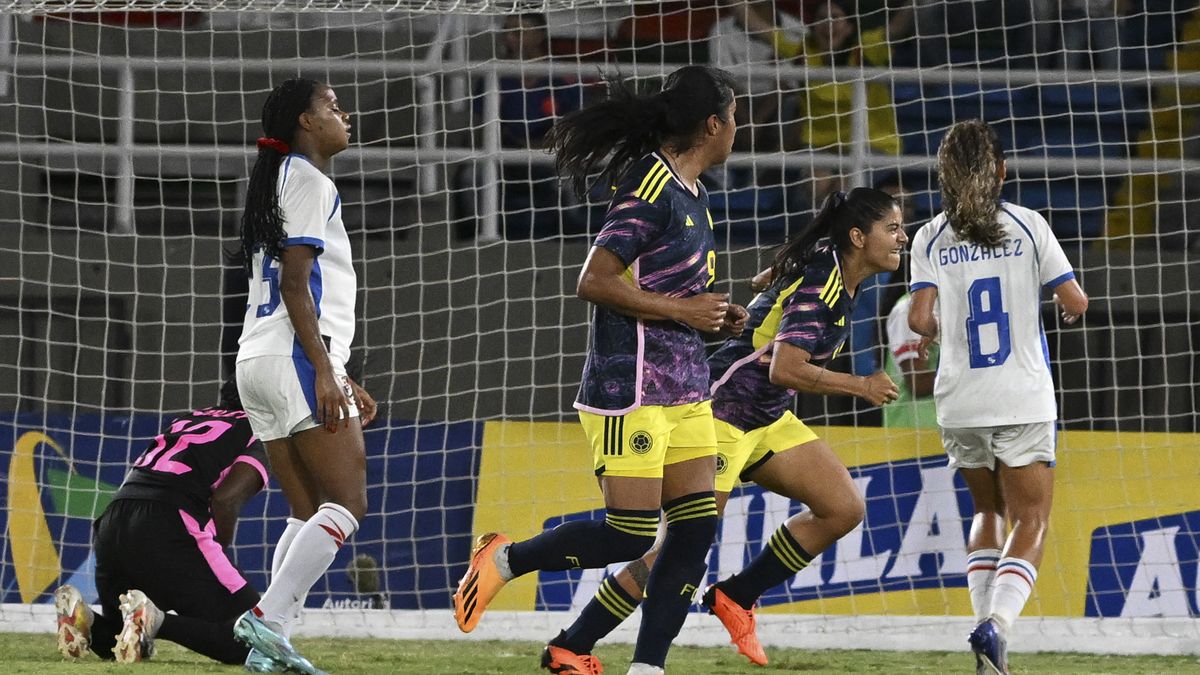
262	223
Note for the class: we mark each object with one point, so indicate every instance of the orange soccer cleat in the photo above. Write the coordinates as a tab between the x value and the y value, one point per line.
481	583
560	660
738	622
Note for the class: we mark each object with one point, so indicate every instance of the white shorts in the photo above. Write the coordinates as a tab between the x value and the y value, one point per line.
279	395
1013	445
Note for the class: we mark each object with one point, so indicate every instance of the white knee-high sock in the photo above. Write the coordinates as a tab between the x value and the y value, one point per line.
285	542
981	569
1010	590
281	549
309	556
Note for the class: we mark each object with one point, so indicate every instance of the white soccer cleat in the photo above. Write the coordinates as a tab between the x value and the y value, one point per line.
645	669
142	619
74	622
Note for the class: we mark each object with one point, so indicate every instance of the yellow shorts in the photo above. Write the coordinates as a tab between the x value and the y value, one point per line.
740	451
640	443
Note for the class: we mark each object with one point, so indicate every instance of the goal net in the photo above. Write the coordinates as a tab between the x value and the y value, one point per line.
126	136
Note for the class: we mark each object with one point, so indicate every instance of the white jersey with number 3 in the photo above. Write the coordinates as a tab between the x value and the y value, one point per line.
995	366
312	215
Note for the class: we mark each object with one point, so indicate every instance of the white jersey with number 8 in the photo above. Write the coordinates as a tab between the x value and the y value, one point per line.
995	365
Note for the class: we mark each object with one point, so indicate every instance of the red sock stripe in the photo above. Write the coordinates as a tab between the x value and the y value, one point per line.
257	611
338	536
981	568
1017	571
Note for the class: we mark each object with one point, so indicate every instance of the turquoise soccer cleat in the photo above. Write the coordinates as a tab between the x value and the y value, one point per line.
258	636
257	662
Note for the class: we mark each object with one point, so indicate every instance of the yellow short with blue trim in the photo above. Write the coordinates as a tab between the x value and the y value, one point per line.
640	443
739	452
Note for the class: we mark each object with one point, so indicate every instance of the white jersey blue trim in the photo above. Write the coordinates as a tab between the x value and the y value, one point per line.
312	216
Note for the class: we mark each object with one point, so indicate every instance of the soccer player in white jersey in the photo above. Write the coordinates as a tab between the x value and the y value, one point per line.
291	363
978	270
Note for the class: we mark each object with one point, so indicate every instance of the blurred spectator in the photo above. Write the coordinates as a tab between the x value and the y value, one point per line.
1091	32
827	107
758	33
912	374
530	104
532	203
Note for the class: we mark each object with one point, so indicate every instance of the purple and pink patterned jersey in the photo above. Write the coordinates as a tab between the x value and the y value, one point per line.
189	459
664	234
811	312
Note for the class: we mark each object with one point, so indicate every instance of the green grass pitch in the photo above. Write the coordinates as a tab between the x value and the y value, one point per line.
29	653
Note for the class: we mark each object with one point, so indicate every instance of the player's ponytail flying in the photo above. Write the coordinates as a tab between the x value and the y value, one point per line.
969	165
262	224
840	213
628	125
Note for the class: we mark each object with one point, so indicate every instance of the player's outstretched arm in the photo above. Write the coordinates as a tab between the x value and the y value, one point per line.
791	367
242	483
602	281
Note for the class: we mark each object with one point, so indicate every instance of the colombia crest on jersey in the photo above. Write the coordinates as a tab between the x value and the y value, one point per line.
664	235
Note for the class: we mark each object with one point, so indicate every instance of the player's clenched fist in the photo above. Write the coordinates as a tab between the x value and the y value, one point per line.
735	320
879	389
704	312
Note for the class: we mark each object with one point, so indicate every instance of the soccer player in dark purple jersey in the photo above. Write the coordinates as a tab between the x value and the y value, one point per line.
797	323
644	401
159	544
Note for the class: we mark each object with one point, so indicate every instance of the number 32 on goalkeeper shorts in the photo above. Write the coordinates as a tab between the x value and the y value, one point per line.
987	309
712	268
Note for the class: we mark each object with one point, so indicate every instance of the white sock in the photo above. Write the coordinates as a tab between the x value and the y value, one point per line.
501	560
281	549
311	552
285	542
1010	590
981	569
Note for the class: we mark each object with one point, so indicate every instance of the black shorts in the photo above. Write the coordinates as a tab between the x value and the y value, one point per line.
170	556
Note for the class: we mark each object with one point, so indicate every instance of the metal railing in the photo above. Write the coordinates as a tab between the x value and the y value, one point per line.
133	158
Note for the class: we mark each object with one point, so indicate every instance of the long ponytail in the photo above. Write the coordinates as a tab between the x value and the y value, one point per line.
262	223
840	213
969	160
627	125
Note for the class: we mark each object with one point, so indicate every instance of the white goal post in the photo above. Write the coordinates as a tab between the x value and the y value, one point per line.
126	135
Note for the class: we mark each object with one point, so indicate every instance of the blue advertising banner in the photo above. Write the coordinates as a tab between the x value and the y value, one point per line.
913	536
60	471
1145	568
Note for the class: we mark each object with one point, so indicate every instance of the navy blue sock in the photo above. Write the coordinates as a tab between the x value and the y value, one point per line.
607	609
779	561
622	535
679	570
